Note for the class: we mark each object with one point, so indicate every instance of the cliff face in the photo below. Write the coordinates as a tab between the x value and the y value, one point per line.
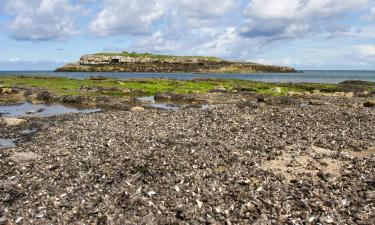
165	64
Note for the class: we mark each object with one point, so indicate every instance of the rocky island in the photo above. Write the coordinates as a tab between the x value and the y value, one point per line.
151	63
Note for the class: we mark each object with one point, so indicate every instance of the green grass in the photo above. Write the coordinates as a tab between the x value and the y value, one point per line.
143	87
149	55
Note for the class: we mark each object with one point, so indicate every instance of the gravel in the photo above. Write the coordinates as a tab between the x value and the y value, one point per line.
245	163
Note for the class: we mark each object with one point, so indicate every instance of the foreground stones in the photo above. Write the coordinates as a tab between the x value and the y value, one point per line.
370	103
243	163
12	121
25	156
137	109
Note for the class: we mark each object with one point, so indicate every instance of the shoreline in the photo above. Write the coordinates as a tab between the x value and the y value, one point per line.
254	157
265	151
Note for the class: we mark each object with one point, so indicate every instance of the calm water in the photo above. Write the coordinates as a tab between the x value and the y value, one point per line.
316	76
43	110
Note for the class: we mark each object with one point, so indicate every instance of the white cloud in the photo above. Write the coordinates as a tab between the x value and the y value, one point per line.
128	16
142	16
198	13
157	42
287	61
366	50
38	20
370	15
296	18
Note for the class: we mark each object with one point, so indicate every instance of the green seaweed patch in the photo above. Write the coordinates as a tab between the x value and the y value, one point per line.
150	86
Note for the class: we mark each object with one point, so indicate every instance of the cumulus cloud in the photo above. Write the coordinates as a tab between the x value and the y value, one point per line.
141	16
157	42
291	19
370	15
128	16
366	50
236	29
38	20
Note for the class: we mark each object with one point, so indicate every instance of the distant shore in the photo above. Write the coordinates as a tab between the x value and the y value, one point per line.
151	63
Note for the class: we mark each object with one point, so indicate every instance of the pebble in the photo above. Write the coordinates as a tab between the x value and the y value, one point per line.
275	163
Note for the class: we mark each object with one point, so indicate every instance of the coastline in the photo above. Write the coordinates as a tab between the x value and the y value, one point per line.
258	149
132	163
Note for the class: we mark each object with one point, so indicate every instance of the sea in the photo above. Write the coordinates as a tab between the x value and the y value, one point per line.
305	76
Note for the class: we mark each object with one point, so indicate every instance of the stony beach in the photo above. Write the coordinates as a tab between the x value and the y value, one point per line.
256	160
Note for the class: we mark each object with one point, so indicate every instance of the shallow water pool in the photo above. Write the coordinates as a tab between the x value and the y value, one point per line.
43	110
150	101
7	143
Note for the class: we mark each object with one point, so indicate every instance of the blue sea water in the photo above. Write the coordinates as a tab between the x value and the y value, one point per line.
311	76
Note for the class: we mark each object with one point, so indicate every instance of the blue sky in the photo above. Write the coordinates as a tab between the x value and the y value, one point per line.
306	34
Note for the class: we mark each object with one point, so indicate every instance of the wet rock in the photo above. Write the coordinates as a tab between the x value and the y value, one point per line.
45	96
72	99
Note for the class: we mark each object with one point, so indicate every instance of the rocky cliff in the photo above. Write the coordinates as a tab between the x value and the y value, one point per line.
134	62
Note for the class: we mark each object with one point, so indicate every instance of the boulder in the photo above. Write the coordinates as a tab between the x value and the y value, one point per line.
13	121
370	103
277	90
44	96
137	109
6	91
25	156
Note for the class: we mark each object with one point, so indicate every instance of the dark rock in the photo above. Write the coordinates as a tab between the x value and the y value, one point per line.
370	103
45	96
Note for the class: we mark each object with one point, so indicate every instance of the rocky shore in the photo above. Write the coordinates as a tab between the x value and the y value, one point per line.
297	159
149	63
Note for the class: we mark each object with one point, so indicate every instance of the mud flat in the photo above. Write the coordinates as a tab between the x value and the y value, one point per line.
254	160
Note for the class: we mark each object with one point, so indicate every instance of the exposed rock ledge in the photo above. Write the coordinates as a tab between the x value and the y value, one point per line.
144	62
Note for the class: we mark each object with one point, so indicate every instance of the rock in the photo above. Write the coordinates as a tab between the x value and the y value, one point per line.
72	99
293	93
25	156
6	90
261	99
277	90
316	92
220	88
137	109
44	96
3	220
318	102
344	94
13	121
363	94
370	103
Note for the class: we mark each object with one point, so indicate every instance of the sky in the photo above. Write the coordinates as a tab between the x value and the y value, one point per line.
305	34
